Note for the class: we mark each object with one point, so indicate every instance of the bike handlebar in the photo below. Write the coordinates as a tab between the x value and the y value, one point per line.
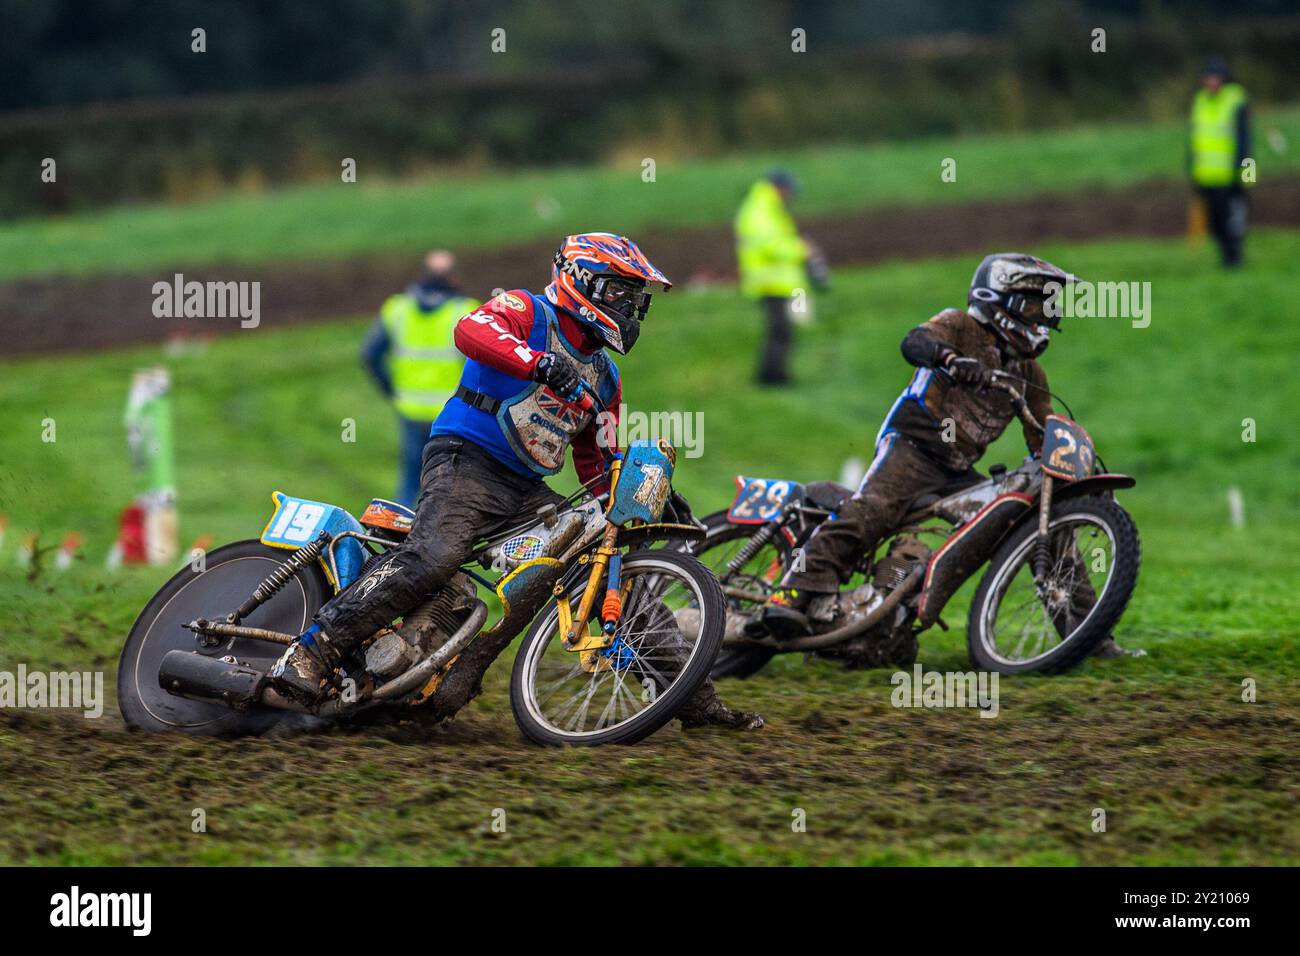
1000	381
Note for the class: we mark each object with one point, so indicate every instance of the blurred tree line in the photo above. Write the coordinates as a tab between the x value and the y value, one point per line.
114	91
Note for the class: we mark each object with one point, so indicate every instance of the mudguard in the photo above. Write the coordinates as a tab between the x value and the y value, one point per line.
521	588
1064	490
296	522
966	551
1088	486
661	531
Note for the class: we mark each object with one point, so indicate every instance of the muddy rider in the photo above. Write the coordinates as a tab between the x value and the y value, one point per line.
940	425
508	426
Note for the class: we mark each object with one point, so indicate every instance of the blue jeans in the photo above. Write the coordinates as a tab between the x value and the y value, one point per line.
412	436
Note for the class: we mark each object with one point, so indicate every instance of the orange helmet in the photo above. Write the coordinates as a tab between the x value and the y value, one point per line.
600	279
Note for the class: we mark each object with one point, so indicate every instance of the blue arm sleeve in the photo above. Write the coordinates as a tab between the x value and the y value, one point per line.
374	356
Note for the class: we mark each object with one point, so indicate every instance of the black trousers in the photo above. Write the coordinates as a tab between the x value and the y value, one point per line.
465	495
772	367
1226	209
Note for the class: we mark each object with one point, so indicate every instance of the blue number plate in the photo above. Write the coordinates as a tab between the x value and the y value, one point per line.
644	482
759	500
296	521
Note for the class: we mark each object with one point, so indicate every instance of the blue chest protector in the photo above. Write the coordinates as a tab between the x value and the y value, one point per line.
531	429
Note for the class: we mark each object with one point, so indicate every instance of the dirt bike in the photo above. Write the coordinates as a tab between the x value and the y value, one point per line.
1062	562
626	634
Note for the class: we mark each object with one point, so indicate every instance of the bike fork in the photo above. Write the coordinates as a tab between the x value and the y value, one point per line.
1042	557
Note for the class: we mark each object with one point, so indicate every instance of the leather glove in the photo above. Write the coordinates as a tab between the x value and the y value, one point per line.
967	371
559	374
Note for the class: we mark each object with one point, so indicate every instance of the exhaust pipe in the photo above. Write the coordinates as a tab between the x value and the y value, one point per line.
238	686
198	677
850	631
839	635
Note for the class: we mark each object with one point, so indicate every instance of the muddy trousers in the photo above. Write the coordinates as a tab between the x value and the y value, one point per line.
899	474
465	495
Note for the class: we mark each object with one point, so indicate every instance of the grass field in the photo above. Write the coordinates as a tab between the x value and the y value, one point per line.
1187	772
465	211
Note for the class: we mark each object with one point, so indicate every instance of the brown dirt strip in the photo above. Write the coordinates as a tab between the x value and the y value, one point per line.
76	314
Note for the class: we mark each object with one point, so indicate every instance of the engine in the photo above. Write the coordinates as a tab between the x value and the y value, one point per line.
905	553
426	628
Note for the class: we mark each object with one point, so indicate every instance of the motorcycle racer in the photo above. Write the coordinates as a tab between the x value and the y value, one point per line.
510	423
941	424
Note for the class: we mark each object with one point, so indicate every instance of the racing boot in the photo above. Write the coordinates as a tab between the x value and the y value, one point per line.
1108	649
783	615
302	673
705	707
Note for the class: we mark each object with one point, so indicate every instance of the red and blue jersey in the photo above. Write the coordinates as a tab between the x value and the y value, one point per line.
530	428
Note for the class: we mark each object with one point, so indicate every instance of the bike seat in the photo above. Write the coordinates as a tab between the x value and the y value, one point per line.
828	495
382	514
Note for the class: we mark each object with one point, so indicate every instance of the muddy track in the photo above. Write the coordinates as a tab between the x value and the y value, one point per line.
61	314
1180	770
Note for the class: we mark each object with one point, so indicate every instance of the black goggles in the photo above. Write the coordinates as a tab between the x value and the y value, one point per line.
627	297
1035	309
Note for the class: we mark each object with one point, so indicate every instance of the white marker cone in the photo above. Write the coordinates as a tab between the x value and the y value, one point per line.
1236	508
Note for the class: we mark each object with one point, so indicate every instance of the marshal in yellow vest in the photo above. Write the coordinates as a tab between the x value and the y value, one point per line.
1214	135
772	257
424	363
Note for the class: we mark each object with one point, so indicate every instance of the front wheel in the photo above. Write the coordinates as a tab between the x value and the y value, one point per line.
671	628
1019	624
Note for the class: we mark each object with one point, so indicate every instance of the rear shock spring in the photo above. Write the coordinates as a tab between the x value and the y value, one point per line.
751	547
281	576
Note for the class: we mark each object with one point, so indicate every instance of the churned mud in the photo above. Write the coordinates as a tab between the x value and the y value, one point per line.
1182	775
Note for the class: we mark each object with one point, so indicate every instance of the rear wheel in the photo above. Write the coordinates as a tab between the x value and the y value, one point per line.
758	575
1018	624
232	572
665	643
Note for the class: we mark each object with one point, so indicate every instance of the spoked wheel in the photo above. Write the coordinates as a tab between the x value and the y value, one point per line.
231	575
1018	624
665	643
758	575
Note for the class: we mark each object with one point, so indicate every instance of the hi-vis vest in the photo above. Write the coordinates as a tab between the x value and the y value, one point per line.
771	255
1214	135
424	363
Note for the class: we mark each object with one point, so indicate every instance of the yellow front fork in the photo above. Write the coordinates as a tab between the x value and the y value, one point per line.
574	627
575	630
